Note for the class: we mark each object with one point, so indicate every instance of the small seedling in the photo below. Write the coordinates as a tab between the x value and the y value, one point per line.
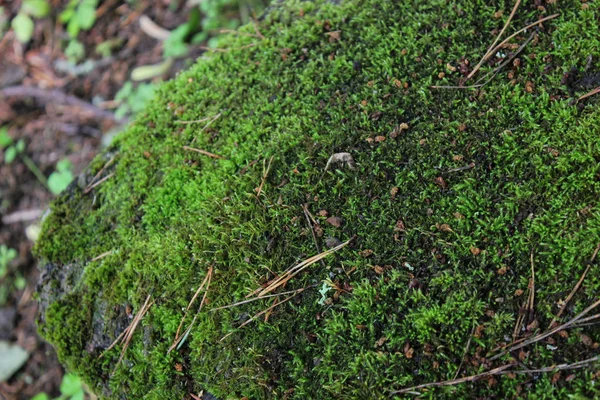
79	15
60	179
133	100
23	24
71	388
6	256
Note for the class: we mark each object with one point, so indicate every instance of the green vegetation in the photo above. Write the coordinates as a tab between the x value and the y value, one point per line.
71	388
453	198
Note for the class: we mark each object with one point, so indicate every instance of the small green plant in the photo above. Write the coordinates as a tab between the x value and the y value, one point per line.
71	388
79	15
6	256
57	181
60	179
133	99
12	150
23	24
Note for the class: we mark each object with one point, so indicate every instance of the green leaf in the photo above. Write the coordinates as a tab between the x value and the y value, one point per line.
86	14
59	180
40	396
10	154
151	71
20	146
73	27
12	358
64	165
5	140
23	27
20	283
36	8
70	385
75	51
79	395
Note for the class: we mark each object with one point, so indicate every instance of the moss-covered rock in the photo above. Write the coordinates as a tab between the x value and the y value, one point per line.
452	199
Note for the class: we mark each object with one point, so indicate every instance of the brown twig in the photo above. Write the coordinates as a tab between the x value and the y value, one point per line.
293	271
462	361
196	121
575	289
204	152
260	298
109	162
192	301
179	339
101	256
127	334
259	314
466	167
585	96
312	230
537	338
55	96
491	74
452	382
101	181
264	177
489	53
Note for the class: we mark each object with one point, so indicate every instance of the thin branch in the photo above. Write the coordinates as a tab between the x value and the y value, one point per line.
452	382
204	152
55	96
290	273
107	177
489	53
181	339
259	314
260	298
544	335
108	163
264	177
312	230
575	289
593	92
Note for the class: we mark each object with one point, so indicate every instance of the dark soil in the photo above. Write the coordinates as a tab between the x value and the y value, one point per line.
54	130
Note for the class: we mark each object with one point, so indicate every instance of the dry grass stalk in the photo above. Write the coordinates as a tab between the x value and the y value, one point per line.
543	335
502	370
585	96
264	177
293	271
180	339
451	382
489	53
575	289
208	274
127	334
261	313
204	152
260	298
101	256
308	216
88	188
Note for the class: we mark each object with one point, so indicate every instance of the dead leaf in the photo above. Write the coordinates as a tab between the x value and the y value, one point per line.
366	253
586	340
335	221
381	341
441	182
399	226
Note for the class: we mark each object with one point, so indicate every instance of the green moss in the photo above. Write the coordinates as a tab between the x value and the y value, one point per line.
298	96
